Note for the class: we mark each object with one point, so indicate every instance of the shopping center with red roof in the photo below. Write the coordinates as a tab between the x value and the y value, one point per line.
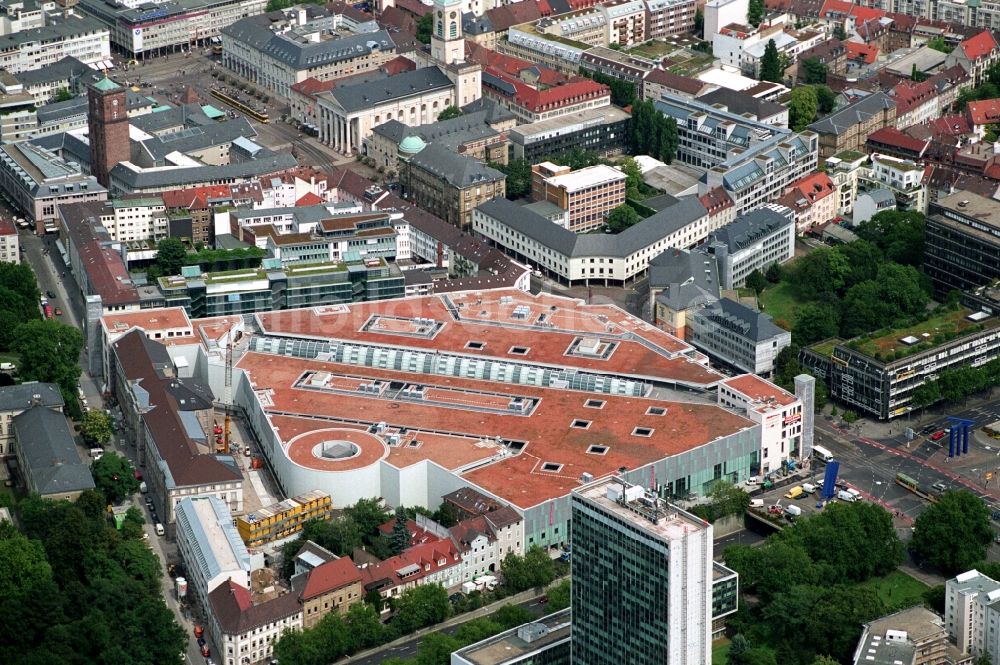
521	397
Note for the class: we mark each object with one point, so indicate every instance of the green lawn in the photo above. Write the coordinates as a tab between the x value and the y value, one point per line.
898	590
653	50
780	303
720	649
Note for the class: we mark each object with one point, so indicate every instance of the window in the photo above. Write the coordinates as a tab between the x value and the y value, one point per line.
656	411
597	450
594	403
580	424
642	431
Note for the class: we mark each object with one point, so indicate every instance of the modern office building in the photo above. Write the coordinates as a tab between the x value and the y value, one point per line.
542	642
601	130
587	195
642	578
877	374
962	249
754	241
738	335
37	48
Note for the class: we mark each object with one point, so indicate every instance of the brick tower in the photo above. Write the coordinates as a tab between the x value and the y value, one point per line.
108	126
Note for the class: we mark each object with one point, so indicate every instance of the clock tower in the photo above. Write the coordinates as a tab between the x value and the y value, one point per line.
447	42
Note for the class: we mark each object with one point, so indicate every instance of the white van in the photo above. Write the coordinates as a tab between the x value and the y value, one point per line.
96	453
845	495
159	529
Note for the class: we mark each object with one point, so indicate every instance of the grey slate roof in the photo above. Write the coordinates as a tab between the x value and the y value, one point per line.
494	112
55	111
13	398
620	245
55	32
839	122
451	133
197	138
686	277
742	103
476	25
747	322
455	169
268	162
47	448
749	228
185	115
366	95
67	69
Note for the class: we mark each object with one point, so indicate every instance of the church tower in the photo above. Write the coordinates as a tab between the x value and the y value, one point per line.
107	120
447	42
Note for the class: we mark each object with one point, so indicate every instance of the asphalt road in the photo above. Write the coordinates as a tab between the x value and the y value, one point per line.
409	648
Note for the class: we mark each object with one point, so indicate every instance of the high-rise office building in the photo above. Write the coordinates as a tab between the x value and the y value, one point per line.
642	579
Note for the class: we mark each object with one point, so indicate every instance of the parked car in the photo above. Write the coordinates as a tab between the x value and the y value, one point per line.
939	487
50	294
58	311
938	435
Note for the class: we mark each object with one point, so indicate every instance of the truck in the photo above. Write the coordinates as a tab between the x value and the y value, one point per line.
142	487
794	493
792	512
7	367
808	488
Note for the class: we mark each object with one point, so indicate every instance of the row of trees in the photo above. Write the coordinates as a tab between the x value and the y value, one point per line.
49	351
955	384
953	534
19	295
801	614
622	92
724	499
76	590
651	132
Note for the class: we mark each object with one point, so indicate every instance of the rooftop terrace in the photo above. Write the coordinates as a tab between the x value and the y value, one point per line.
940	328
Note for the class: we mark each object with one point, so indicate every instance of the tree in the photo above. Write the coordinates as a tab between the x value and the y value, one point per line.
424	27
420	606
738	649
756	281
400	538
559	596
512	616
96	428
445	515
814	71
954	533
436	649
633	177
170	256
916	75
652	133
622	218
63	95
755	13
899	234
938	44
728	499
542	568
50	352
826	98
839	32
824	660
770	64
450	112
622	92
113	475
802	107
815	322
369	515
518	172
774	273
699	22
984	659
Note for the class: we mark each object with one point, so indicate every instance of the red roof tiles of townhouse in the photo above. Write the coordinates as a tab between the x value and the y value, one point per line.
195	197
510	65
502	18
414	7
984	112
330	576
308	199
834	8
691	86
867	53
813	187
7	227
908	95
534	99
978	46
418	562
398	65
891	136
716	200
950	125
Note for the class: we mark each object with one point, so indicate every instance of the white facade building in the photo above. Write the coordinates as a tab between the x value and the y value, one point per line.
720	13
971	613
904	178
210	546
9	248
778	412
85	39
753	242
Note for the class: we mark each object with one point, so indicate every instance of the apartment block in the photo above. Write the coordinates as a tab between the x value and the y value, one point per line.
753	242
9	246
601	130
587	194
737	335
971	613
777	411
82	38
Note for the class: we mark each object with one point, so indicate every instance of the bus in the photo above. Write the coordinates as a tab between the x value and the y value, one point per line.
905	481
823	453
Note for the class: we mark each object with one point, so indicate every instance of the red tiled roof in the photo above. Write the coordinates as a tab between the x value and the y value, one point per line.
949	125
834	8
760	389
984	112
867	53
501	18
312	86
237	615
691	86
415	7
510	65
429	558
7	227
814	186
535	99
908	95
195	197
330	576
978	46
398	65
308	199
890	136
715	200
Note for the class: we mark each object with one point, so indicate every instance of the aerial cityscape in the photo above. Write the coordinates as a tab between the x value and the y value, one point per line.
496	332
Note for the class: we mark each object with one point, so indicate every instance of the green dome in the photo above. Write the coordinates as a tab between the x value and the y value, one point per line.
106	84
412	145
